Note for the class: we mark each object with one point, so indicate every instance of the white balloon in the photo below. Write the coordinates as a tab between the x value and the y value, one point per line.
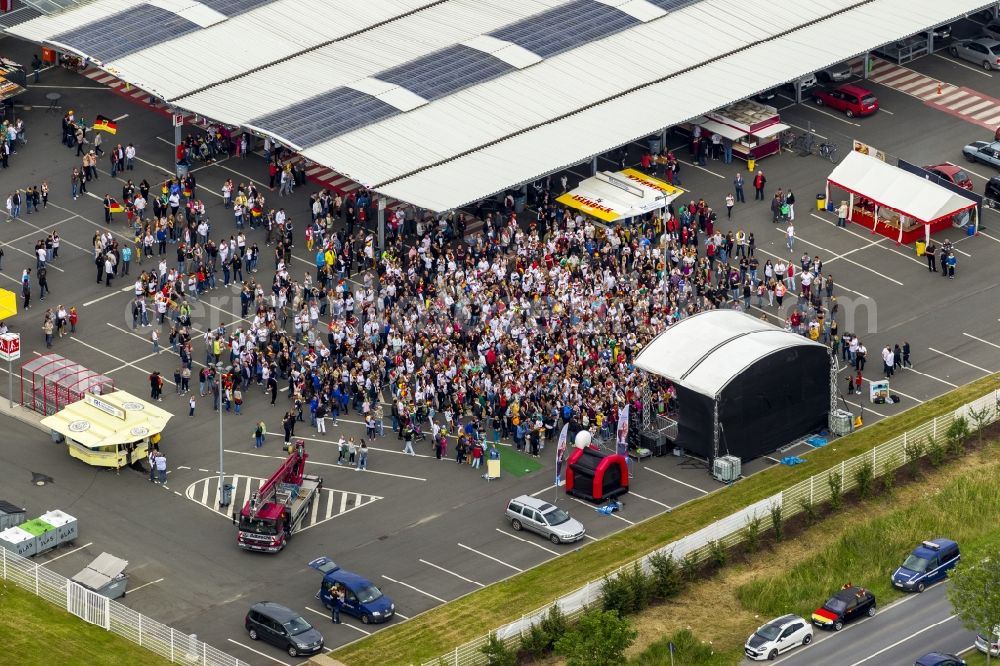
583	439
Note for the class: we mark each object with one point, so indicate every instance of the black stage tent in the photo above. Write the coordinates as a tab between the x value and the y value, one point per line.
744	386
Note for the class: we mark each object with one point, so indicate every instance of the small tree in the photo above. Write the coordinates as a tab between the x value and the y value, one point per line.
554	624
599	638
777	522
535	642
980	419
836	482
956	434
718	553
497	653
809	509
638	583
975	594
616	595
864	476
689	567
667	579
752	533
935	451
889	474
914	452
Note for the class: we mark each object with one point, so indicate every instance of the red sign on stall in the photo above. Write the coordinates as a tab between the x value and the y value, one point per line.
10	346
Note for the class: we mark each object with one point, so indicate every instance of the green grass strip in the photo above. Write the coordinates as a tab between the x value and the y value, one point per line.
440	629
34	632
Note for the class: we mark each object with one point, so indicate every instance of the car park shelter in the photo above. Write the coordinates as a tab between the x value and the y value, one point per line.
50	382
442	104
622	195
744	387
109	430
894	202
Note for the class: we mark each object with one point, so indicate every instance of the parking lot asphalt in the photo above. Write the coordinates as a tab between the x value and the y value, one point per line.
426	531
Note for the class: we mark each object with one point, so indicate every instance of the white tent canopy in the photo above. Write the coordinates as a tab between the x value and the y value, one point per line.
897	189
706	351
621	195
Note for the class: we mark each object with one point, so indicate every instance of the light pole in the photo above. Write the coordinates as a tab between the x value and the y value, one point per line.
222	475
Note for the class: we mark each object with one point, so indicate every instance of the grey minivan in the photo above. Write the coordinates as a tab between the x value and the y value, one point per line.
530	513
282	627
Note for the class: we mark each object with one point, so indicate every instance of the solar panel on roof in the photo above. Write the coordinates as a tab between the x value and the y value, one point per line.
672	5
565	27
233	7
126	32
323	116
443	72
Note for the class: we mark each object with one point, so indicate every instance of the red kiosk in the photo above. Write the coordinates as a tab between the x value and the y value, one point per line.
896	203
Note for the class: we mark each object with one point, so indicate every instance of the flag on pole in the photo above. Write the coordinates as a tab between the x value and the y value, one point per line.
561	452
103	124
116	207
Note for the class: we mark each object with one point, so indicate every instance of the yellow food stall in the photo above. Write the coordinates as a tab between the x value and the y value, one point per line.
620	196
109	430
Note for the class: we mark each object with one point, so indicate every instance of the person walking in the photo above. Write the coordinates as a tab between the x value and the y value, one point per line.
931	253
730	200
43	282
408	439
26	288
906	355
738	187
154	336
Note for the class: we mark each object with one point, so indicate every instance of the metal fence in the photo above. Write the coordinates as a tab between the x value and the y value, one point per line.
731	530
178	647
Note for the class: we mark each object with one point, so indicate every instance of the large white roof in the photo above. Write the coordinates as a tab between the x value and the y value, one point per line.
706	351
897	189
384	92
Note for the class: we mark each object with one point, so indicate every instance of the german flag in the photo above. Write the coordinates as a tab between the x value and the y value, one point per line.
256	211
116	207
186	192
103	124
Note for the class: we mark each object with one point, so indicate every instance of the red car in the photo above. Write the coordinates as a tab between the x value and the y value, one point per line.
851	99
953	174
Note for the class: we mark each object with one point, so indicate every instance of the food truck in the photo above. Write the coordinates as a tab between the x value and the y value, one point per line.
109	430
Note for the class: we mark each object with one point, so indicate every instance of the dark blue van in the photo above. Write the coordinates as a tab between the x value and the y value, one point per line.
927	564
362	599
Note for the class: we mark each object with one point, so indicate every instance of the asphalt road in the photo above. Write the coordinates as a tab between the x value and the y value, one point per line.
426	531
897	635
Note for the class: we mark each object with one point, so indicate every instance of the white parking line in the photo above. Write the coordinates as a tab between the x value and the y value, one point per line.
962	64
152	582
968	170
654	471
539	492
837	256
62	555
530	543
346	624
832	115
815	134
955	358
108	295
649	499
452	573
490	557
119	359
914	634
695	165
266	656
415	589
992	344
924	374
867	239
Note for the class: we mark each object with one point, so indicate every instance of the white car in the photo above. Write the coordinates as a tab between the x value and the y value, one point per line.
778	636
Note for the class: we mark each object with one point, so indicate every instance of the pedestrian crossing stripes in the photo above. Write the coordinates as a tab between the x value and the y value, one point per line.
965	103
328	505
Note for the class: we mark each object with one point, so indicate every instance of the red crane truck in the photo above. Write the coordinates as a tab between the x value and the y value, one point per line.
276	509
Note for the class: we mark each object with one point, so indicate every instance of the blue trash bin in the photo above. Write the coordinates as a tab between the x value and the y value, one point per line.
970	230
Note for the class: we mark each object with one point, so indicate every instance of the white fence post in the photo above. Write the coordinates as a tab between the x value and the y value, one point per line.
4	563
934	427
140	629
456	656
812	480
171	644
37	594
875	460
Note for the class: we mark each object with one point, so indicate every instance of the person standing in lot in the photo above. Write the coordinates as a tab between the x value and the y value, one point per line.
192	403
154	336
161	468
951	261
258	434
790	236
790	200
363	456
738	187
758	185
26	288
906	355
151	457
47	329
931	253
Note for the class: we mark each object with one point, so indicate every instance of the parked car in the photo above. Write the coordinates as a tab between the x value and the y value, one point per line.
767	96
282	627
992	190
982	51
993	642
992	30
530	513
927	564
953	174
941	32
362	598
986	152
837	73
939	659
851	99
777	636
845	606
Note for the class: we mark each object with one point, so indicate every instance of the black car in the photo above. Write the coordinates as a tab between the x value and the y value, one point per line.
282	627
993	189
845	606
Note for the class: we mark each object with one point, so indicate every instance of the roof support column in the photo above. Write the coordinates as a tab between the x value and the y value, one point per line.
178	151
867	66
381	223
798	91
593	166
715	427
